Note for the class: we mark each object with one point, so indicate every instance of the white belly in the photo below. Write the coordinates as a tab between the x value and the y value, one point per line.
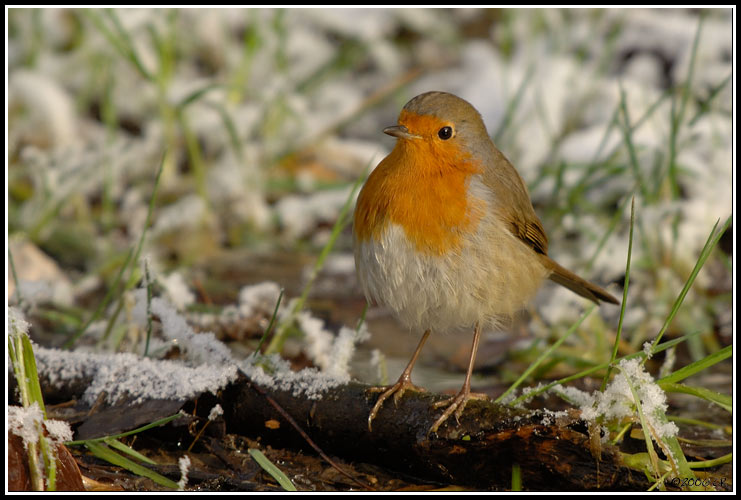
490	277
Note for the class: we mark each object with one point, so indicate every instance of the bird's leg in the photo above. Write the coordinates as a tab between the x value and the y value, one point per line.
458	403
404	383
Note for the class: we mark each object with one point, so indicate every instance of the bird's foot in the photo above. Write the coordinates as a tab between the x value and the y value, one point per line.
398	390
455	405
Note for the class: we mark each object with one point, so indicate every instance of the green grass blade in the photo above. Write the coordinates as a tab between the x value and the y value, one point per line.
722	400
41	455
32	375
725	459
120	41
598	166
710	244
677	116
516	478
271	469
644	425
197	94
270	324
127	45
148	221
118	445
625	296
698	366
105	453
48	453
23	361
612	225
362	317
677	455
705	105
628	138
96	19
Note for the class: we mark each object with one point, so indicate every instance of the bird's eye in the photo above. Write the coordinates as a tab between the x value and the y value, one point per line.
445	133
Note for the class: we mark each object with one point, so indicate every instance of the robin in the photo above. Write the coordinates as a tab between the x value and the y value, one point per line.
445	234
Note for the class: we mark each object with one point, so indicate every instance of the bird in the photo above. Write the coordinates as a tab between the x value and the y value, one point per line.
445	235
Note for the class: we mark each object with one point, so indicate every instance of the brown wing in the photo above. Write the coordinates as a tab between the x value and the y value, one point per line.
516	210
531	232
513	202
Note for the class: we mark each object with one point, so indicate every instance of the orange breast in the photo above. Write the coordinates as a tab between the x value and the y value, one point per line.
422	187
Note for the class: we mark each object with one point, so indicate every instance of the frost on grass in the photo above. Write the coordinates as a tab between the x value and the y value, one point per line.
25	423
28	424
617	401
647	349
17	324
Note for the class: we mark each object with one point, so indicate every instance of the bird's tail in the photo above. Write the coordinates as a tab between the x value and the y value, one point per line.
576	284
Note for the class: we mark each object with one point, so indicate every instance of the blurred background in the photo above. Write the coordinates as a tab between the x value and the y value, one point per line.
260	122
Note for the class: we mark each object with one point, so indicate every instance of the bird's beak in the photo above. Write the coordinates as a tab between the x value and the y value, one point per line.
400	132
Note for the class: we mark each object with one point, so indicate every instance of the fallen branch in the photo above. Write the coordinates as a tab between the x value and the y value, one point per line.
553	453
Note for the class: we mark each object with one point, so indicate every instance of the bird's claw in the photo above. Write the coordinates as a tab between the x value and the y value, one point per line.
398	390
